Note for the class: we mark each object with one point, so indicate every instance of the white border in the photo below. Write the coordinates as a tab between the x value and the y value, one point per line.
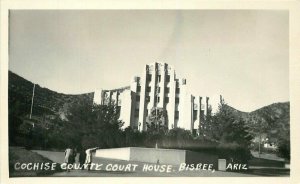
294	10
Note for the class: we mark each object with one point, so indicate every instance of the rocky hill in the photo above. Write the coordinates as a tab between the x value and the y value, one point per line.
275	120
278	113
271	122
46	101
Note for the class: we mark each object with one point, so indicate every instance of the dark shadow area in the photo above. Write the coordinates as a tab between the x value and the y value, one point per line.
261	162
269	172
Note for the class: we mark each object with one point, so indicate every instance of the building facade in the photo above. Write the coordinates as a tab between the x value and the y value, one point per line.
157	87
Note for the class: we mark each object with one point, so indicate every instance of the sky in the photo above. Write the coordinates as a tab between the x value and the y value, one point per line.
241	54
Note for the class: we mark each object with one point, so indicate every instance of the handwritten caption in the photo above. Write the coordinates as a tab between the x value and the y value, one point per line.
162	168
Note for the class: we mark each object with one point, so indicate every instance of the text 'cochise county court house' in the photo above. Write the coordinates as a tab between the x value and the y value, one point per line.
158	87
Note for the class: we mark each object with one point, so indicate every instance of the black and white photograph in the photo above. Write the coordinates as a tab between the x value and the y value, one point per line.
148	93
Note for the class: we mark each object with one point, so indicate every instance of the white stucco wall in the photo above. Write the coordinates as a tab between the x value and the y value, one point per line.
114	153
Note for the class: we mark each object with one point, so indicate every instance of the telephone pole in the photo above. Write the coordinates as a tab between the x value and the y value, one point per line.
32	101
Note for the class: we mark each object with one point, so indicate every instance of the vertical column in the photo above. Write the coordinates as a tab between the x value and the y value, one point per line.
102	97
114	97
204	108
207	105
133	106
153	84
143	100
162	85
185	107
197	111
180	105
110	97
199	115
97	97
126	110
171	107
117	98
192	113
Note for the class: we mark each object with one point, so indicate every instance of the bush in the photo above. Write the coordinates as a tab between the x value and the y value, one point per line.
284	149
234	152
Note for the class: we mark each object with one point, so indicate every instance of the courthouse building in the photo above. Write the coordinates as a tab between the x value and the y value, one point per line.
157	87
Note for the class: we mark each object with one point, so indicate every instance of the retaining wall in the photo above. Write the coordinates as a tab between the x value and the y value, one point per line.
161	156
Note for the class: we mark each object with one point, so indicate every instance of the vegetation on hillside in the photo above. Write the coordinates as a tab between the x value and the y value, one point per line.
273	123
46	102
48	106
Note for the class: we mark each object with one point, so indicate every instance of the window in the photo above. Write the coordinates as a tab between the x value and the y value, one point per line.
158	99
167	99
177	90
167	78
136	113
195	114
167	90
138	89
158	90
148	77
137	98
176	114
158	78
147	98
148	89
177	100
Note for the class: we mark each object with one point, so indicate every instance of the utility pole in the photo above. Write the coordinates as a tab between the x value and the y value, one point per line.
259	144
156	118
32	104
32	101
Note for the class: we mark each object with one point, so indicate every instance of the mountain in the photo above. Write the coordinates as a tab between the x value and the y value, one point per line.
46	102
276	111
271	121
238	113
275	120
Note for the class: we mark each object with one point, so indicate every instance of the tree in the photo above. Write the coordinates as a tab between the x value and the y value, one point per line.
92	125
207	129
273	123
157	126
232	133
157	121
257	126
178	138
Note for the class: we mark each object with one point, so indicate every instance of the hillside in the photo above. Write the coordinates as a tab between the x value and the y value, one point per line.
274	112
46	101
238	112
274	119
